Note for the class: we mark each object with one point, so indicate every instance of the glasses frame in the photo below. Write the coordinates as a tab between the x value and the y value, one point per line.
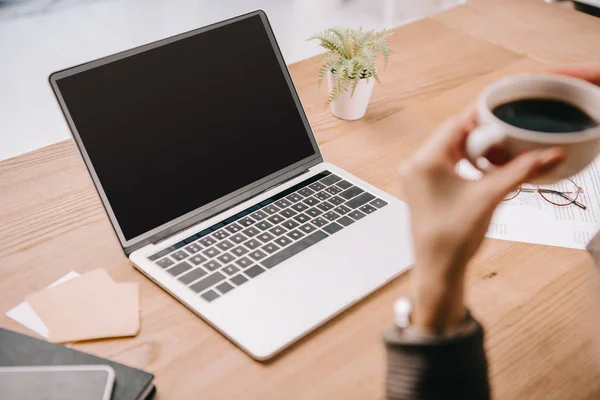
561	194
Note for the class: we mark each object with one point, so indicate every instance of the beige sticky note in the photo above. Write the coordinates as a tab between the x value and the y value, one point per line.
88	307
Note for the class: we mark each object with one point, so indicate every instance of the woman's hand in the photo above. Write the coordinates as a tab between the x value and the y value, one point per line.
450	216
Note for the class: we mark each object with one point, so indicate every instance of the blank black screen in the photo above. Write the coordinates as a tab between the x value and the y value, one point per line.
179	126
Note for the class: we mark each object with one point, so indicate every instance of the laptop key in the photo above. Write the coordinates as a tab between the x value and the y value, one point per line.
252	231
165	262
244	262
239	251
367	209
263	225
379	203
212	252
319	222
233	228
197	259
332	228
258	215
307	228
294	249
193	248
322	195
252	244
302	218
179	269
207	282
283	203
344	184
290	224
351	192
331	216
294	197
257	255
305	192
325	206
230	269
246	221
317	186
270	248
282	241
278	230
265	237
311	201
179	255
333	190
225	245
330	179
210	295
342	210
295	234
345	220
336	200
271	209
212	265
299	207
360	200
254	271
288	213
238	238
225	258
275	219
239	279
160	254
221	234
207	241
224	287
356	215
192	276
314	212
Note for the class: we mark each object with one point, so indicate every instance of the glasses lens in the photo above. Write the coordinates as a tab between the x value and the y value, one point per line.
561	194
514	193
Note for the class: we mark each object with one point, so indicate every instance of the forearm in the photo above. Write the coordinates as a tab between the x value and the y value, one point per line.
438	302
435	367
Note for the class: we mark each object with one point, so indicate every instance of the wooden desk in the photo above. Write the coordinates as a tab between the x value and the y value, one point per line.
539	304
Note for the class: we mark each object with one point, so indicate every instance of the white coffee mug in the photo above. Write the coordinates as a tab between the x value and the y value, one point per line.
581	147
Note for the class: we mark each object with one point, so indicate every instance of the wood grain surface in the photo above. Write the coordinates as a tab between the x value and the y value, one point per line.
539	304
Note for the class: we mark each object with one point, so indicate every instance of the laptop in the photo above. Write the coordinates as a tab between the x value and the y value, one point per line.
215	186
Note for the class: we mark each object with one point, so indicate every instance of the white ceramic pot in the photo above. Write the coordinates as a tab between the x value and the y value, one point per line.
351	107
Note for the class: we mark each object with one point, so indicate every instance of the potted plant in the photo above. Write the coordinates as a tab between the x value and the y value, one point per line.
349	65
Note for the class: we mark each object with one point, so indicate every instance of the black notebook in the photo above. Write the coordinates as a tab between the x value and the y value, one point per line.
22	350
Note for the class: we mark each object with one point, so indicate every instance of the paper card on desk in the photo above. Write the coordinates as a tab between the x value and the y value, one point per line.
114	314
529	218
24	314
91	306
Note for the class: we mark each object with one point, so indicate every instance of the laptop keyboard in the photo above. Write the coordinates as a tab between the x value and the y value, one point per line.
229	254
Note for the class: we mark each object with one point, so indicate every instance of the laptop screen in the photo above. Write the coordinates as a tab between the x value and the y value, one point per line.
178	126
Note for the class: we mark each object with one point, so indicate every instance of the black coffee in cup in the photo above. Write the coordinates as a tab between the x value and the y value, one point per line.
544	115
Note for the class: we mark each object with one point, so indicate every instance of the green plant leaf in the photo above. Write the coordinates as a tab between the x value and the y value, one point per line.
344	38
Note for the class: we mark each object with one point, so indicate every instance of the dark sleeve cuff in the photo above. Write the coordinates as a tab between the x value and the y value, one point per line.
429	367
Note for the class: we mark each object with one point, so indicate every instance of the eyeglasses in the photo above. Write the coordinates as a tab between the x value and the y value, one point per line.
560	194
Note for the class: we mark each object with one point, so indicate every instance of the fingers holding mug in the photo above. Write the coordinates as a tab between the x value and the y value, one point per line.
524	113
482	146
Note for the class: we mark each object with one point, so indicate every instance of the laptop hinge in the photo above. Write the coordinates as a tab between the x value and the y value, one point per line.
159	240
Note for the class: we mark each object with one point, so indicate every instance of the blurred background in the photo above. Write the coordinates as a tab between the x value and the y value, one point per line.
38	37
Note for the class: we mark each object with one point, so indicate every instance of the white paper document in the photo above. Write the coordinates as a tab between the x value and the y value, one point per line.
24	314
531	219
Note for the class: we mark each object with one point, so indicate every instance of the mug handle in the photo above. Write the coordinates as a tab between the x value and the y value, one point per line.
480	141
